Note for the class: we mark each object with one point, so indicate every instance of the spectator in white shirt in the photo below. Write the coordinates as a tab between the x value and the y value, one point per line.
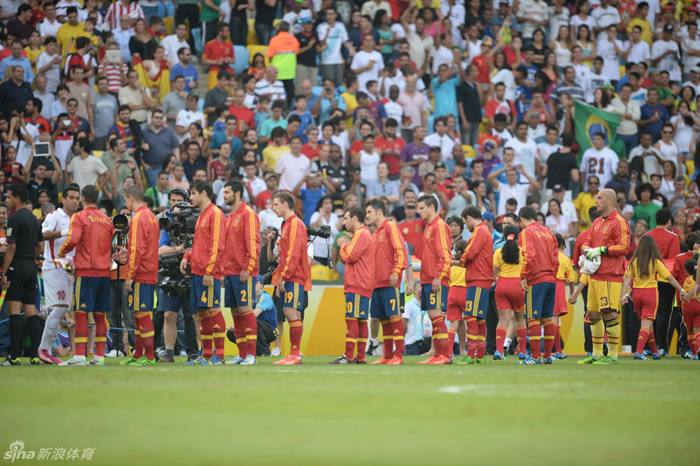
367	63
441	139
173	43
293	166
512	189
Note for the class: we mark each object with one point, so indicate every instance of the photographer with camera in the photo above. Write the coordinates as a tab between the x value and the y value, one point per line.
174	290
206	261
241	271
293	271
141	257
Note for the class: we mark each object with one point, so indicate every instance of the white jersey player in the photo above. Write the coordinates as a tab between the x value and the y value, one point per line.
57	273
600	161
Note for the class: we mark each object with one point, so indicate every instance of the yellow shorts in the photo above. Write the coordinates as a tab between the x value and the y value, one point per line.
604	296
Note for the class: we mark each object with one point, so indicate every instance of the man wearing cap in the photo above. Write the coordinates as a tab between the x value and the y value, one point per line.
283	51
694	81
188	116
666	55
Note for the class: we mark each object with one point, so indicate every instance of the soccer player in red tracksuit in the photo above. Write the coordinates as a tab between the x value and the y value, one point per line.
142	274
609	240
391	258
435	276
241	259
478	262
358	256
293	271
538	280
206	263
692	241
90	234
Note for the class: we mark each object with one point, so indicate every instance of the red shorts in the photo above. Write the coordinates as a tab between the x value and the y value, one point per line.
456	302
646	301
691	314
509	294
561	306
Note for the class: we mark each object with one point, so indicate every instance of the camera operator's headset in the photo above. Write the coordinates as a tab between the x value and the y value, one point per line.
181	192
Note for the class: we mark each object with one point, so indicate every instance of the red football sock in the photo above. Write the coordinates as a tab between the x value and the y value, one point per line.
388	334
481	344
100	333
399	331
239	333
535	332
521	333
363	333
651	342
81	333
146	327
642	340
557	338
500	338
219	332
251	332
351	332
472	335
451	335
549	331
207	331
295	331
693	341
138	344
440	336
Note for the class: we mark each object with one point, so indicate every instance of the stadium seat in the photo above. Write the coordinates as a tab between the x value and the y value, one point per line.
252	38
323	273
253	49
317	90
98	153
469	152
242	59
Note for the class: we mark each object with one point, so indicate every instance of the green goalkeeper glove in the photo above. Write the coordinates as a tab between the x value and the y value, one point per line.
596	252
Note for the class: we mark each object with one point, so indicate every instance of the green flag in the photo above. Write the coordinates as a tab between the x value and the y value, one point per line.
589	121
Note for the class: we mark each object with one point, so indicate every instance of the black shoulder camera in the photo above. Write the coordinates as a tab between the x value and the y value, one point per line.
323	232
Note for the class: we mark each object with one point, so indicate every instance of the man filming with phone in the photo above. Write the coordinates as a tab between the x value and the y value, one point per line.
328	102
47	172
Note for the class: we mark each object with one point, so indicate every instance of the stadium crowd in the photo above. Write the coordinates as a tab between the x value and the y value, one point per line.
443	120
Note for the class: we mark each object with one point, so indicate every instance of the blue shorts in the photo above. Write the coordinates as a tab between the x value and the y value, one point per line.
539	301
477	302
356	306
239	294
386	302
168	304
92	294
204	297
293	296
430	301
141	299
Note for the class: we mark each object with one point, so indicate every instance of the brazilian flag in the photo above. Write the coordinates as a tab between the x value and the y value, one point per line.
589	121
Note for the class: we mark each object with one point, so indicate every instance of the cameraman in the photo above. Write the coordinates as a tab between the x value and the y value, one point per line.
166	315
206	259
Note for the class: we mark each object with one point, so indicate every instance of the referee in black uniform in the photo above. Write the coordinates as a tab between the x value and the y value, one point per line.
24	243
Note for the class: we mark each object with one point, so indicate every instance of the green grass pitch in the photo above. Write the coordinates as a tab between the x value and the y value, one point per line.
636	413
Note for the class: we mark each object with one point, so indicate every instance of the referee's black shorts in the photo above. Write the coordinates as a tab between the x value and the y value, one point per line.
22	278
